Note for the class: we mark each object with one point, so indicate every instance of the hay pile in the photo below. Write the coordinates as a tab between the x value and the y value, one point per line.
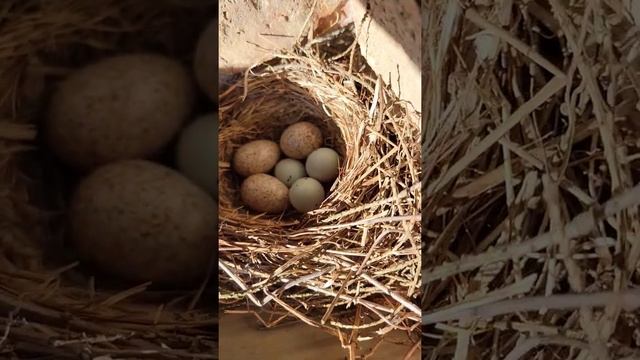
51	307
352	266
532	232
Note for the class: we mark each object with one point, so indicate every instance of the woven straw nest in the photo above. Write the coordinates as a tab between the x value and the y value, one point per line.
352	266
51	306
532	243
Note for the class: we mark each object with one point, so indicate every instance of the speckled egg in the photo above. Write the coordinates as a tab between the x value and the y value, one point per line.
142	221
264	193
259	156
123	107
300	139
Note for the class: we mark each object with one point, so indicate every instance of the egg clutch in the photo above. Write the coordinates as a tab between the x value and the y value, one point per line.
271	184
131	214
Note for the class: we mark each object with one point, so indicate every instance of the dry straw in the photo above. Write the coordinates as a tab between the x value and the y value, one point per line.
352	266
532	234
49	308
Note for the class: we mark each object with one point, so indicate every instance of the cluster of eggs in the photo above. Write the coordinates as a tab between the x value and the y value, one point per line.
131	216
293	182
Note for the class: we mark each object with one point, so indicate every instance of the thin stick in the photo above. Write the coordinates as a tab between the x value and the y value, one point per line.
406	303
520	114
628	300
239	282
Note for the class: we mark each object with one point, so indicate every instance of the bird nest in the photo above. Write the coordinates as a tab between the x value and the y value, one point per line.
53	307
350	267
531	226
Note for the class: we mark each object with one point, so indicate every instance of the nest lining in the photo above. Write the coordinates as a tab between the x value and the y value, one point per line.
352	265
264	117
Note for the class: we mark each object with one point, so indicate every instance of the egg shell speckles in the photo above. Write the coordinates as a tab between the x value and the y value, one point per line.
143	222
300	139
258	156
264	193
123	107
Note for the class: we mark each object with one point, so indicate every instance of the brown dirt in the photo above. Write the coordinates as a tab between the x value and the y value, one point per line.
250	31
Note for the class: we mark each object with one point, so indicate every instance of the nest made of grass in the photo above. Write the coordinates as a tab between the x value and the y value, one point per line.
350	267
531	225
51	308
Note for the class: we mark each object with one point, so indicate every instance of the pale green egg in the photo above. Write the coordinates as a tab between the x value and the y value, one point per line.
306	194
197	152
289	170
322	164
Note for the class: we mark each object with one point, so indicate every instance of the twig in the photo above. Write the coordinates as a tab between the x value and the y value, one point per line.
628	300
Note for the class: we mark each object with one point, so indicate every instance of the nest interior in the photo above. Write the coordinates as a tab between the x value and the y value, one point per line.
263	116
351	266
52	306
531	165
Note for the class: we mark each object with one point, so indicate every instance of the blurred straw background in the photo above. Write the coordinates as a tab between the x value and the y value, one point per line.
531	238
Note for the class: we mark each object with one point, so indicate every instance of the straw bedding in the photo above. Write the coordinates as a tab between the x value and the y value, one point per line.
350	267
51	306
531	227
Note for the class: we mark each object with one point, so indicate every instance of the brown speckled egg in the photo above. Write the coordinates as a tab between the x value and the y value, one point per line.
142	221
123	107
264	193
300	139
259	156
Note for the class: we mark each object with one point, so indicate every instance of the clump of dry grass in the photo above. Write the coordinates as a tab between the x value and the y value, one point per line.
531	195
50	309
352	266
